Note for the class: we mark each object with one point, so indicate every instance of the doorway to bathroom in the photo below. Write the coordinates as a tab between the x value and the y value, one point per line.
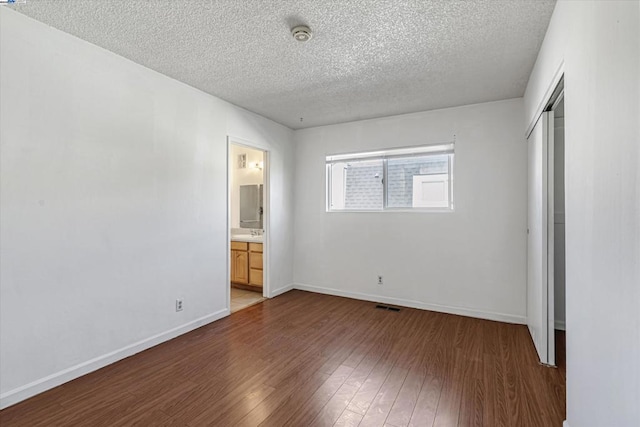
248	219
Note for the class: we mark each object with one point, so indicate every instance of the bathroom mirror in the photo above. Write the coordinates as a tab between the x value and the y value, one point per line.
251	211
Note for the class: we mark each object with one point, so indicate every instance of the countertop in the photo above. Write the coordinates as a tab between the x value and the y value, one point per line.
247	238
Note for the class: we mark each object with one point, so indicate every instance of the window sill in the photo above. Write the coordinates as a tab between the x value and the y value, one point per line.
399	210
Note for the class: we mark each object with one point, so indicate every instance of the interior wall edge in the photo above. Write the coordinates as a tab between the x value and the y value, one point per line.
26	391
284	289
460	311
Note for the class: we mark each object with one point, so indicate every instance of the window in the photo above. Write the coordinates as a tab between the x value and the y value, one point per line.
417	178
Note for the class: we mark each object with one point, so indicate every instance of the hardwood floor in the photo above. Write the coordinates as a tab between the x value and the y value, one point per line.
308	359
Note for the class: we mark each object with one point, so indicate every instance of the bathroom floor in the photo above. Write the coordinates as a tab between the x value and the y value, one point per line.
242	299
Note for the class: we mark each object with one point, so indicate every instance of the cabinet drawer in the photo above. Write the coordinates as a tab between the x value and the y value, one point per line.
239	246
255	247
255	277
255	260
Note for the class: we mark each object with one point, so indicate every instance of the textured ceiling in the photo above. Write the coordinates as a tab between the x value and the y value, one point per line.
367	58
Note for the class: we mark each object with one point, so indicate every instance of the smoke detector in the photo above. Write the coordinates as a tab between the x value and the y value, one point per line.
302	33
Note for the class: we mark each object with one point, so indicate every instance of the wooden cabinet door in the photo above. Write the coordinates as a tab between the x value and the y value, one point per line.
241	270
233	266
255	277
255	260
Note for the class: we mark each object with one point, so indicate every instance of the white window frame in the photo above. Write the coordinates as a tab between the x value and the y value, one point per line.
384	155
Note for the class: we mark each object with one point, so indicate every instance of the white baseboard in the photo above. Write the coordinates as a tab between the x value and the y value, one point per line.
559	324
281	290
19	394
500	317
565	423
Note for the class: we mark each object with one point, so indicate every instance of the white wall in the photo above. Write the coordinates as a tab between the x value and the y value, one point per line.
471	261
599	44
113	204
247	176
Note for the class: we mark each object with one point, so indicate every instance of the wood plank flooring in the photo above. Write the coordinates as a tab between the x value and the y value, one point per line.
305	359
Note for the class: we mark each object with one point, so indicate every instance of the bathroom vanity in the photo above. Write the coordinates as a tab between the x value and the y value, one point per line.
246	263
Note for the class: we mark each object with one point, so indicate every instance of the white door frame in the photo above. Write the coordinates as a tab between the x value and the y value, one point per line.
548	98
540	239
553	96
267	212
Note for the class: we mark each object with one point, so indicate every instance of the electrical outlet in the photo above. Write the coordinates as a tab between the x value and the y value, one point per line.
179	304
379	280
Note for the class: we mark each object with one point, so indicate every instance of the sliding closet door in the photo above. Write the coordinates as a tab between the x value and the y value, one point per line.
540	315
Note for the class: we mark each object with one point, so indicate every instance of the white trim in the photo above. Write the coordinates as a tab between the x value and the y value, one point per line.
26	391
469	312
281	290
228	252
565	423
431	149
256	145
549	224
560	324
395	210
557	76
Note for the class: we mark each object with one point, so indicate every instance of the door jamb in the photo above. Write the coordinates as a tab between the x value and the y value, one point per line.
266	226
553	96
548	96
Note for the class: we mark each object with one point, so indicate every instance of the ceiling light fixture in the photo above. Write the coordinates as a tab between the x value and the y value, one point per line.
302	33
